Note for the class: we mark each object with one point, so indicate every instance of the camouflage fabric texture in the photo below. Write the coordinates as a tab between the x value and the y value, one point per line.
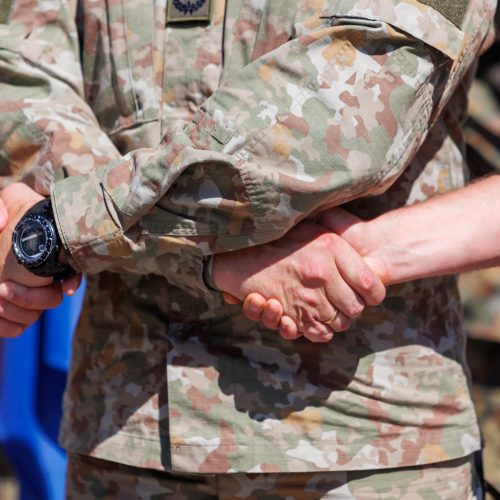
90	478
165	144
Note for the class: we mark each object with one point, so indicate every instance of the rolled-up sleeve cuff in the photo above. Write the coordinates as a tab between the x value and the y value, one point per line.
184	269
92	233
86	225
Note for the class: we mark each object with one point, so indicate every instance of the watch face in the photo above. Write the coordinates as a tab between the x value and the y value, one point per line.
33	240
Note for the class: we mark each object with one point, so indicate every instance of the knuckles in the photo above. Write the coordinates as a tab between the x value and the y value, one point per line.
345	324
372	290
311	299
380	296
355	310
327	241
367	280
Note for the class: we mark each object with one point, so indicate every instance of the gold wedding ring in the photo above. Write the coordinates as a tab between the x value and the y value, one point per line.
332	319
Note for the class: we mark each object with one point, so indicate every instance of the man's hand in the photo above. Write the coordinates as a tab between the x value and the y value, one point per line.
4	217
357	234
314	275
21	306
18	198
23	296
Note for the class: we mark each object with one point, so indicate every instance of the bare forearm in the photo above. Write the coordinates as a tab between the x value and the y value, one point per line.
452	233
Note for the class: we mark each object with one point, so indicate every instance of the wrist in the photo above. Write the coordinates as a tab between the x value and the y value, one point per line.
378	250
37	245
217	274
208	266
64	258
226	274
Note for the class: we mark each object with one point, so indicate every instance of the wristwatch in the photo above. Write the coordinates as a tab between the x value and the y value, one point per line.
37	245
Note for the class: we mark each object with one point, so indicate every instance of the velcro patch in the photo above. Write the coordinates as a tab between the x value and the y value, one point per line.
453	10
5	8
180	11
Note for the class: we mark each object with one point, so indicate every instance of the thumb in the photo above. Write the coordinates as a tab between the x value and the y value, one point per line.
230	299
351	228
4	217
337	220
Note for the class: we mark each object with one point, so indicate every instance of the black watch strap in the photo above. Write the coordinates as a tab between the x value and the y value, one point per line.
50	267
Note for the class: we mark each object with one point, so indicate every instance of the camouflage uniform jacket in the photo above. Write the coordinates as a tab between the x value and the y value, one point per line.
162	143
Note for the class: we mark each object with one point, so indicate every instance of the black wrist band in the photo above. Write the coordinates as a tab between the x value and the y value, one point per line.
208	264
36	243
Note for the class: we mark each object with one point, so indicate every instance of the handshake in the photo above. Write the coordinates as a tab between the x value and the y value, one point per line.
313	281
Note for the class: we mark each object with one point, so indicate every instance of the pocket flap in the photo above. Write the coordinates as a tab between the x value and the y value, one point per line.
435	27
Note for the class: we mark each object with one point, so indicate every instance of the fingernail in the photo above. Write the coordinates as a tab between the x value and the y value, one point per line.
5	291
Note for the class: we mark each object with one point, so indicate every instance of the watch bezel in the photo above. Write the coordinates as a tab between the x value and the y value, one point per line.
51	239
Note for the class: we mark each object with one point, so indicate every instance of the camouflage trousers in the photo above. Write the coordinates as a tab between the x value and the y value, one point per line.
91	478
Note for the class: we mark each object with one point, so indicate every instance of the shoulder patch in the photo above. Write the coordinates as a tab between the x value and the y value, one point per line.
5	8
453	10
179	11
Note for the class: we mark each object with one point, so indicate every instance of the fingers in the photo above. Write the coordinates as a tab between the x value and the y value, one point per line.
268	312
8	329
338	220
253	306
317	332
346	300
332	286
311	305
359	278
288	328
340	323
272	314
21	306
36	298
16	314
350	285
357	234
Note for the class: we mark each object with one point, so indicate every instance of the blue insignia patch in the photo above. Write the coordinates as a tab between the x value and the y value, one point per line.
187	7
188	11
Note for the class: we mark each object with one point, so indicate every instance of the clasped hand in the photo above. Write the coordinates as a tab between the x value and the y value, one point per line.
23	296
311	282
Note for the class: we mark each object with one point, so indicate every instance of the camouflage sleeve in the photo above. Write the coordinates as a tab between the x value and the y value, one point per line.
334	114
47	130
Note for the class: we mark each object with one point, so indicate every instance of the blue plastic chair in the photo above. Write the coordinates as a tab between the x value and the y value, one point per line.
33	371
